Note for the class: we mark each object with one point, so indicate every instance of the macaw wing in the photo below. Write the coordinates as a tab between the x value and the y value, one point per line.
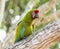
19	32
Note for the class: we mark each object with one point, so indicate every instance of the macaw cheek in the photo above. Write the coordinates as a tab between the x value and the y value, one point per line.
34	15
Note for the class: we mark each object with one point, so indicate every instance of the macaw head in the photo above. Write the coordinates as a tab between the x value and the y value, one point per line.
31	15
34	14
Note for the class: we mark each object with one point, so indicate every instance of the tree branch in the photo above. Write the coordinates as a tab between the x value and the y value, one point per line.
41	39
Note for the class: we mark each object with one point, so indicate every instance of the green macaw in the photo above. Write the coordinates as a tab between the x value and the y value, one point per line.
25	27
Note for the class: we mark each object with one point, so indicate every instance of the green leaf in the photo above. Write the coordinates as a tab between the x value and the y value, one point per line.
55	46
43	1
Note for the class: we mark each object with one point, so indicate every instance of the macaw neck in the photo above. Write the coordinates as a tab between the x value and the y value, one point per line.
29	22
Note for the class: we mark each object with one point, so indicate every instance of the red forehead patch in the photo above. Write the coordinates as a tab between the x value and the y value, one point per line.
36	11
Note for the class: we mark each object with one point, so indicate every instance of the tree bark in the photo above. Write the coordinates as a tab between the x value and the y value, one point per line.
41	39
2	5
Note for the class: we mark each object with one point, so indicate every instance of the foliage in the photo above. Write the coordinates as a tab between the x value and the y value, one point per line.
13	8
55	46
